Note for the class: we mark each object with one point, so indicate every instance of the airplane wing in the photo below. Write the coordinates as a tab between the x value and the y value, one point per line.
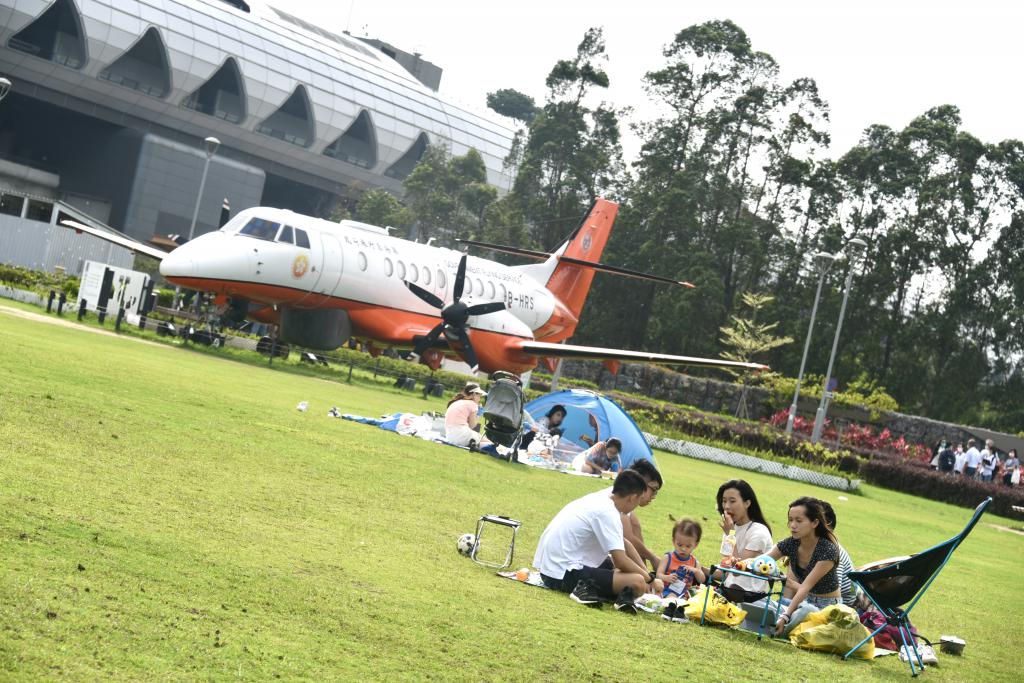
117	238
549	350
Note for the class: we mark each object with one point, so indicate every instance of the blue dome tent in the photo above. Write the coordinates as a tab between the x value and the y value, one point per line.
591	416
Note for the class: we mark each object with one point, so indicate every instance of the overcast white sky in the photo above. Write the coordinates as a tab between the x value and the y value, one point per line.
875	62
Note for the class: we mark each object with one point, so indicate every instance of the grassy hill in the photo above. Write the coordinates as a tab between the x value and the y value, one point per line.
168	514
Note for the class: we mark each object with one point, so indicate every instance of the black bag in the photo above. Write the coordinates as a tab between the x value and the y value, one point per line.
503	410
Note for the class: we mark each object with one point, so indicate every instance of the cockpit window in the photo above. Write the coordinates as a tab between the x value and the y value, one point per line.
286	235
261	229
301	239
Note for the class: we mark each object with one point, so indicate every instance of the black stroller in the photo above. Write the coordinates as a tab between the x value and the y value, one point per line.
503	413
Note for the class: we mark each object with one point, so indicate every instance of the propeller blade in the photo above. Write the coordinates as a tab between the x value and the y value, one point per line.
451	334
424	294
460	279
467	350
484	309
428	340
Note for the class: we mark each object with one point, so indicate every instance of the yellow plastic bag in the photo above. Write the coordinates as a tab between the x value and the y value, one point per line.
720	610
834	629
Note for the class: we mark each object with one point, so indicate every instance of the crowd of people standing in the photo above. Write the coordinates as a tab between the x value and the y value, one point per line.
982	464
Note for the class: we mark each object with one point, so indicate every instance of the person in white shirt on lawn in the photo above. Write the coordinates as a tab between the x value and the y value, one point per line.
582	550
961	459
741	512
972	459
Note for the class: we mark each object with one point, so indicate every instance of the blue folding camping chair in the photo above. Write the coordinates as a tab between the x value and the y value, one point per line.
906	581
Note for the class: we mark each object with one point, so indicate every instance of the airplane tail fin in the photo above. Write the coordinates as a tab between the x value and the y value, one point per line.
570	282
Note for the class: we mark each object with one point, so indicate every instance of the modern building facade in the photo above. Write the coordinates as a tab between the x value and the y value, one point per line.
112	98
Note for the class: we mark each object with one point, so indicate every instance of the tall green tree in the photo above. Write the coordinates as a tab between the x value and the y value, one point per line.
447	195
571	152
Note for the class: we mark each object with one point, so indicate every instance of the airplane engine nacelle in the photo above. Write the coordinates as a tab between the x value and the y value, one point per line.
317	329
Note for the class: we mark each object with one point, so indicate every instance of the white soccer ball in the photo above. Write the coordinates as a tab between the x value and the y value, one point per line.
466	543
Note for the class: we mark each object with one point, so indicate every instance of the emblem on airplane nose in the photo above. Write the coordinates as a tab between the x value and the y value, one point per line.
300	265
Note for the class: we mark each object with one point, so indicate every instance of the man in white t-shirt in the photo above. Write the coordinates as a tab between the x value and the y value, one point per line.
972	459
582	550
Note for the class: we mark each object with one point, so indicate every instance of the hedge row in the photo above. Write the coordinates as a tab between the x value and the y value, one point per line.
920	480
748	435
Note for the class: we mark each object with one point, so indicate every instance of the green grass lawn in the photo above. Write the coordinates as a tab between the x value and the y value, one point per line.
170	515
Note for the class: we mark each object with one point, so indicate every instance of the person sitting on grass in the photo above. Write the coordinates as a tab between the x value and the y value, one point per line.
549	425
740	511
602	457
631	528
845	564
460	419
813	557
679	568
582	550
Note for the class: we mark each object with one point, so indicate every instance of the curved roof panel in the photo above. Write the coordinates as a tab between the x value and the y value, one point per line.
275	53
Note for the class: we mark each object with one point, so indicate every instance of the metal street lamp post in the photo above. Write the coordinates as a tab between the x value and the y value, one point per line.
5	87
854	249
823	260
211	144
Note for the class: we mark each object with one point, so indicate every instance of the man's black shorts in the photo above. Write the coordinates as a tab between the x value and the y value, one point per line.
600	576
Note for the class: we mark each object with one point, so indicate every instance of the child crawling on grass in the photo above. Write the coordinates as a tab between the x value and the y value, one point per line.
679	569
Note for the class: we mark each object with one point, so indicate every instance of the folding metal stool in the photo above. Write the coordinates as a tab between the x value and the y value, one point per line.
500	520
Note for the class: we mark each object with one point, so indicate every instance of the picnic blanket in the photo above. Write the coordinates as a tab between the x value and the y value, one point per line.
430	427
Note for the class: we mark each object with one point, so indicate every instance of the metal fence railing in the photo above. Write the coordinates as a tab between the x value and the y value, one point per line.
749	462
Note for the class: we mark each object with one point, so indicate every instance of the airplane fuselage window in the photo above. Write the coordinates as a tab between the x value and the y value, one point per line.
261	229
490	290
286	235
426	276
389	267
414	272
362	261
504	293
301	239
441	280
479	287
401	270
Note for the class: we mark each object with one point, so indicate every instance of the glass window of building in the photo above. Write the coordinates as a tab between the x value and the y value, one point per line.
292	122
39	210
143	67
11	204
403	167
55	35
358	146
221	96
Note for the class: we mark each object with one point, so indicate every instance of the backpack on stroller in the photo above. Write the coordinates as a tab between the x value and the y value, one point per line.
503	412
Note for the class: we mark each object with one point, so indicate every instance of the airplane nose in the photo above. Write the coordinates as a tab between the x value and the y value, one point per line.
178	264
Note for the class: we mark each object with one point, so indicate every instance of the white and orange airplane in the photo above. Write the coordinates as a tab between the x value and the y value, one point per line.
325	282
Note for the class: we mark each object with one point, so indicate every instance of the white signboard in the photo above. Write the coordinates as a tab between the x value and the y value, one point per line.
127	286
